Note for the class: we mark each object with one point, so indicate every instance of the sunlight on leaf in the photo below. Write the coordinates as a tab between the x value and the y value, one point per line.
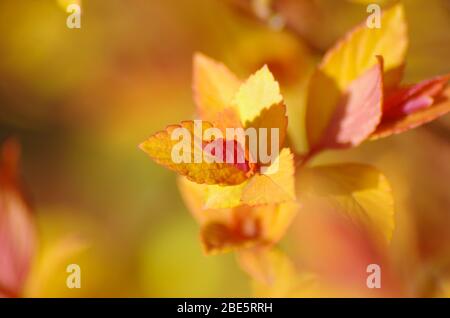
159	147
214	86
258	92
360	191
274	275
417	109
230	228
270	118
354	55
348	120
275	184
53	257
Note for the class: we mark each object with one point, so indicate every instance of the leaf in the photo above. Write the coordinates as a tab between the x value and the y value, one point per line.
339	250
263	264
354	116
234	228
220	230
392	78
274	274
323	99
17	227
246	226
214	86
276	219
258	92
270	118
275	184
440	107
220	237
354	54
412	98
201	197
159	147
347	63
227	118
359	191
53	258
222	197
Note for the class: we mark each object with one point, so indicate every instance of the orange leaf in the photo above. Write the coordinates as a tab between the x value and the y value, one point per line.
275	184
440	107
275	275
348	62
246	226
227	118
361	192
354	54
352	119
238	227
214	86
259	91
412	98
161	145
270	118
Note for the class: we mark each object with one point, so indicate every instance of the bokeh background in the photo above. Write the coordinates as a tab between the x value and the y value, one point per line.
81	100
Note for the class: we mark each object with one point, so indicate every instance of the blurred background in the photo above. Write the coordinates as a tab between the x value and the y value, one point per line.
81	100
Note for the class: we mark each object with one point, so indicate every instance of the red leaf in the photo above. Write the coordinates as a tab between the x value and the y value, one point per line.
396	125
230	149
412	98
17	232
358	112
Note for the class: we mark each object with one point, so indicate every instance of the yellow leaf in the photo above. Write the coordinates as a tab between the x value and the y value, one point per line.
160	146
200	197
354	55
234	228
348	61
54	256
276	219
246	226
258	92
274	274
227	118
214	86
270	118
323	98
359	191
340	120
222	197
275	184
